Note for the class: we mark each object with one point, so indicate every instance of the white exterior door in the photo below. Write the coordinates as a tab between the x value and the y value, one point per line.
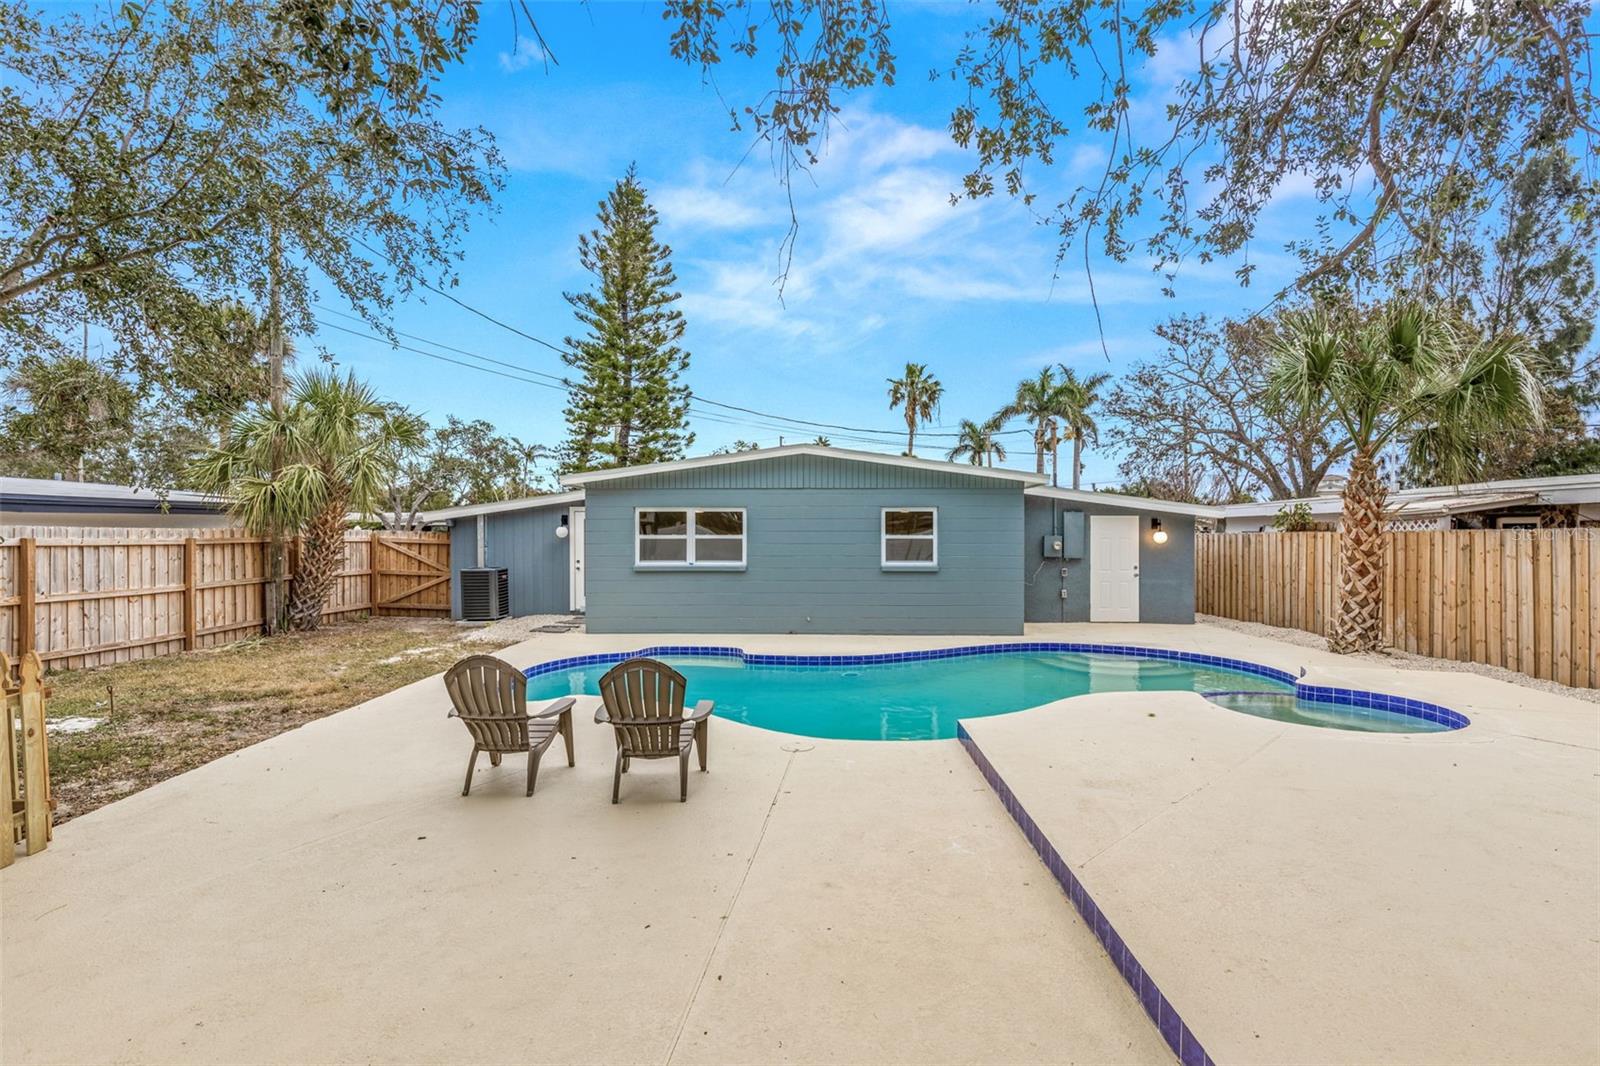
1113	568
575	539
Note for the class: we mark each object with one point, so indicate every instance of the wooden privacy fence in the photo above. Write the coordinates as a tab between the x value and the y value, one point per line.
85	597
1522	599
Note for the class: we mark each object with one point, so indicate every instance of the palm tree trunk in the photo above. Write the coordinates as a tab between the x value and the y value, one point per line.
1359	625
1038	450
1077	460
911	430
320	562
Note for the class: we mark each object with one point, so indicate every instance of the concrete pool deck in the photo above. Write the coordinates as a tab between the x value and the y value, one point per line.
328	895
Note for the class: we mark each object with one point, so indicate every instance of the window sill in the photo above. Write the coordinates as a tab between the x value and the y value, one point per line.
909	568
688	568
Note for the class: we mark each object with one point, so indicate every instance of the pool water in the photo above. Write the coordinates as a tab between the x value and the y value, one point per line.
1286	707
922	700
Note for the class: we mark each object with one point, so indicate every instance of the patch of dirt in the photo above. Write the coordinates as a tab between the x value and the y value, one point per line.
163	716
1402	660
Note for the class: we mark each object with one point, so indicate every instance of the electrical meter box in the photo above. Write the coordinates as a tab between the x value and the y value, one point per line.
1052	546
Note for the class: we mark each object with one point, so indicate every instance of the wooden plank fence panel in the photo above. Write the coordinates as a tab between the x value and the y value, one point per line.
89	597
1522	599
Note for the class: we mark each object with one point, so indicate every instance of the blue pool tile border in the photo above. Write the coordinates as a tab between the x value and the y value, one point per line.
1162	1014
1356	702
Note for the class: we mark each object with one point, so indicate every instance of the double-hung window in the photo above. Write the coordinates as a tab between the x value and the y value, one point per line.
910	538
683	538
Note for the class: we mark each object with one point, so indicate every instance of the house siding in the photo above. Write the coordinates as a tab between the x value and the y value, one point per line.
812	552
1166	571
524	542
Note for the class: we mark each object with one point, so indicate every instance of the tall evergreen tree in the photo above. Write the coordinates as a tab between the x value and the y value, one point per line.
628	406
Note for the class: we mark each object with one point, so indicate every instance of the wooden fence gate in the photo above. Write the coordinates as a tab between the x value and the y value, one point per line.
411	574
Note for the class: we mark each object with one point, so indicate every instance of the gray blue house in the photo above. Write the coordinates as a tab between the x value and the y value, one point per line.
807	539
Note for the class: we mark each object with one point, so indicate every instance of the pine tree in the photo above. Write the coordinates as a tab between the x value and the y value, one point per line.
628	407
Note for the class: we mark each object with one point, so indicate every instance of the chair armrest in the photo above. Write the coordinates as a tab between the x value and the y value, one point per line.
701	710
558	707
601	715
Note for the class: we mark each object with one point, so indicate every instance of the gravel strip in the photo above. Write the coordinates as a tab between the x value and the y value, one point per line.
509	631
1402	660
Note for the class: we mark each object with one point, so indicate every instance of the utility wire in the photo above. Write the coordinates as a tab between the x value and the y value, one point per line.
566	383
487	317
560	384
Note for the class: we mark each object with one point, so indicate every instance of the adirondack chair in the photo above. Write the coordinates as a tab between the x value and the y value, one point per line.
642	700
491	699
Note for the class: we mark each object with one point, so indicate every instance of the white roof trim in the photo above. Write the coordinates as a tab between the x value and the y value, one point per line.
470	510
905	461
1137	503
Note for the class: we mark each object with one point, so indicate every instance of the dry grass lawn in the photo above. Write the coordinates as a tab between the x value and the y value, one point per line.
164	716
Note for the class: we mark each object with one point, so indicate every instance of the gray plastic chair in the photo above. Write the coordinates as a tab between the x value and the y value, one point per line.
642	700
491	699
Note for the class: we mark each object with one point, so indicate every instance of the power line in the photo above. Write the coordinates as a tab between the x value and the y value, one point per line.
555	383
703	399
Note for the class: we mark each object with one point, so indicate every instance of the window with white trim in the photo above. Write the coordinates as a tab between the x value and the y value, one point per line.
702	538
910	538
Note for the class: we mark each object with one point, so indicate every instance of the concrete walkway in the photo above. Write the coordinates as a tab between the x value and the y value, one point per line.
328	895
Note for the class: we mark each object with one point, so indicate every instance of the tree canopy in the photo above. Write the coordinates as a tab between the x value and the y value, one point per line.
629	405
1404	117
164	156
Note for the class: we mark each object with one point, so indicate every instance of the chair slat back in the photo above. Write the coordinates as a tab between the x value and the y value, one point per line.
644	699
491	696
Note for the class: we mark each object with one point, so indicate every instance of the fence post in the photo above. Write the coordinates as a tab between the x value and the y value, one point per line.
8	767
188	593
35	761
266	584
26	558
374	541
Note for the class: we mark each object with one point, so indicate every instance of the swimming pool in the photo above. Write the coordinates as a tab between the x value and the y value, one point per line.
921	695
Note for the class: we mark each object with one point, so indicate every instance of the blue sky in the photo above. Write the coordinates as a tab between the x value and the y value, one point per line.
885	270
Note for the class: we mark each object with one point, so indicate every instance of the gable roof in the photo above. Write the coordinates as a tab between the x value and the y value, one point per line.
1137	503
760	454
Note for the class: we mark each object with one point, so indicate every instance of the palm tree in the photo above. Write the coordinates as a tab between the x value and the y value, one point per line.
340	446
919	392
1080	394
822	442
1042	402
976	442
1406	378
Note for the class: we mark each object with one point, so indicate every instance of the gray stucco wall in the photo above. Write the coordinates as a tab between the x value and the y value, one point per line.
812	552
1166	571
526	543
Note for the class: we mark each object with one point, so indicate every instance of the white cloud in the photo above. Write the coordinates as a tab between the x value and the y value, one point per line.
701	207
526	53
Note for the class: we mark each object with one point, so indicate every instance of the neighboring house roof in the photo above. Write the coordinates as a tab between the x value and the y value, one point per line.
1446	499
47	495
1138	503
848	454
525	503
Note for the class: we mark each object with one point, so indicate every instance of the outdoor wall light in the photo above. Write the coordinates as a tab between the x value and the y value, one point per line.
1157	534
561	530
